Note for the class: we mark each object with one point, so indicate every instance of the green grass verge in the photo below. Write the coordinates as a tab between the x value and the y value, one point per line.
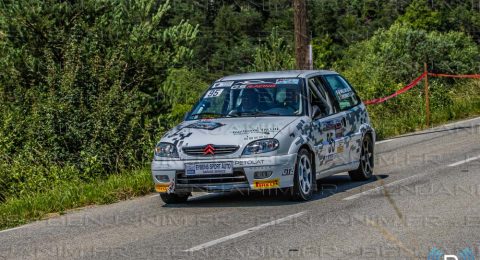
409	119
36	206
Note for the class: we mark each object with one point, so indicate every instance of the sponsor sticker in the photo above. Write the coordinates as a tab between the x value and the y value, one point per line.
288	171
344	93
264	130
261	86
209	168
251	138
207	125
266	184
247	163
162	187
340	149
239	86
328	157
287	81
223	84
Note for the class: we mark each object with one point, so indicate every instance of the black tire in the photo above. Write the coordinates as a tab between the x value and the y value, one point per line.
172	198
365	169
304	180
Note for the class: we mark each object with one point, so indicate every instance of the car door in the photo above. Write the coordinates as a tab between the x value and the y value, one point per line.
347	102
327	125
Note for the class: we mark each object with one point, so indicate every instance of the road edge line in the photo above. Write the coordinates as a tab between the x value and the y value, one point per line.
244	232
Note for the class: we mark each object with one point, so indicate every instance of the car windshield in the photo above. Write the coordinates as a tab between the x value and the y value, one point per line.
246	98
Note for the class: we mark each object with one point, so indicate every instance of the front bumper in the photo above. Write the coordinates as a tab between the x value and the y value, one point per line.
243	178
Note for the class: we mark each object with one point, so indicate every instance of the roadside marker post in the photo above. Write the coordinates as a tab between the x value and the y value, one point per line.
427	98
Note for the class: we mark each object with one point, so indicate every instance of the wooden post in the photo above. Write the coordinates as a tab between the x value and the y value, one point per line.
301	37
427	98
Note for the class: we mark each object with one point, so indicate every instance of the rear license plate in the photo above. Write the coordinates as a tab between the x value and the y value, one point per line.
209	168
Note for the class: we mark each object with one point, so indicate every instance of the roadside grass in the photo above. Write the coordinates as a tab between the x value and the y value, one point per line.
387	127
36	206
464	106
410	117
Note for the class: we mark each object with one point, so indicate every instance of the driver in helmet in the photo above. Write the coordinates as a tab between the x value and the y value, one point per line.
249	101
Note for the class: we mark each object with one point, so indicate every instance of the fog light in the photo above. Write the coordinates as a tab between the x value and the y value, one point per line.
262	175
162	178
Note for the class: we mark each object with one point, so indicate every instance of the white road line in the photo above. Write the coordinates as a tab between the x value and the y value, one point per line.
460	122
355	196
464	161
153	196
244	232
380	188
385	141
12	229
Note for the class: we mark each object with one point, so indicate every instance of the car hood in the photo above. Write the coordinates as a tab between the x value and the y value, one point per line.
226	131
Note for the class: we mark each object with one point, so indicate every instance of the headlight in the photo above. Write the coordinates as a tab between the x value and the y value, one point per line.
166	150
261	146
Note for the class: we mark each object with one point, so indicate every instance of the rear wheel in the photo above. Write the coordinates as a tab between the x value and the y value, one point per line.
365	169
173	198
304	177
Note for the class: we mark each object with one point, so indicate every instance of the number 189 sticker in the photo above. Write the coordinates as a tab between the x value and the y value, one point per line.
214	93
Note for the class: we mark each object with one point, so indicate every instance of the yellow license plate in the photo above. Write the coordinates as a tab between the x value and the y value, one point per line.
161	187
266	184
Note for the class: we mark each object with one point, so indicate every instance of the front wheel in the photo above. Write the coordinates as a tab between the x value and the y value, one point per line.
304	177
365	169
173	198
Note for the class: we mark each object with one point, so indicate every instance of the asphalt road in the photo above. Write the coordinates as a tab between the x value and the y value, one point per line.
426	195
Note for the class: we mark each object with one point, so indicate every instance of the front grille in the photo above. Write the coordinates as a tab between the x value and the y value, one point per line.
238	177
218	150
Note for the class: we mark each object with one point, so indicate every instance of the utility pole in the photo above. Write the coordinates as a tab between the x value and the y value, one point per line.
301	37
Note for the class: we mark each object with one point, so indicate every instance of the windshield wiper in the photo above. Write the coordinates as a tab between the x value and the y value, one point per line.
207	114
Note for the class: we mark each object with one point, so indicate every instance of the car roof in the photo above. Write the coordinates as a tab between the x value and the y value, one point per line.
277	74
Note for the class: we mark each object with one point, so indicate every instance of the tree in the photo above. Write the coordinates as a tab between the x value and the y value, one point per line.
420	15
394	57
80	83
233	44
273	55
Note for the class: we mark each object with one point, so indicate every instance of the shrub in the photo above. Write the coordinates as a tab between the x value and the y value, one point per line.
393	57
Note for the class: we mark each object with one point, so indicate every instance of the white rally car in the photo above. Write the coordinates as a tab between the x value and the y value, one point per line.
266	131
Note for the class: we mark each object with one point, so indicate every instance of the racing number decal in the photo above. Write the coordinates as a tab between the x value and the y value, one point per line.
214	93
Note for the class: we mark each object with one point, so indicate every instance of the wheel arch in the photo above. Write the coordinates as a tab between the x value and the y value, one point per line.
370	132
368	129
312	157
